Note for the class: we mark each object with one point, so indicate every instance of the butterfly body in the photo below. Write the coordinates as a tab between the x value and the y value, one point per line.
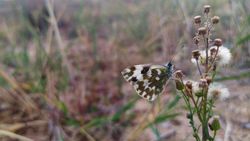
148	80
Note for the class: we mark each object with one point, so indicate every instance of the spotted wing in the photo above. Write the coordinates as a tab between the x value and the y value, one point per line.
148	80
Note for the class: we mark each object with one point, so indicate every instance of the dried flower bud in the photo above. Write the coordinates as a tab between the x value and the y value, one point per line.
188	92
215	19
196	40
209	80
199	94
197	19
213	50
189	115
217	42
179	85
189	85
207	9
196	54
214	124
215	94
179	74
214	67
202	31
203	83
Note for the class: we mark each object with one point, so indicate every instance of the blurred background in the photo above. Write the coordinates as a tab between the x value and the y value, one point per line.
60	64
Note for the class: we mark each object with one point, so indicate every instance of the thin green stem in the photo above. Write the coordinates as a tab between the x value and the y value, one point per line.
198	66
210	109
206	44
214	135
192	98
190	117
205	133
197	108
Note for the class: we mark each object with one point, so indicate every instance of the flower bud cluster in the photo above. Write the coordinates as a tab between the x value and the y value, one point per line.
200	95
204	28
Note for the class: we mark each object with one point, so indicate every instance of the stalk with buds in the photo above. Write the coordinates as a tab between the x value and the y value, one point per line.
200	96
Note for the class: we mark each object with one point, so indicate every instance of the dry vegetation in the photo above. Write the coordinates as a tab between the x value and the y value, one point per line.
60	67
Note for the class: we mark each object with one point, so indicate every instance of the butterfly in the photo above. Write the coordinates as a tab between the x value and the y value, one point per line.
148	80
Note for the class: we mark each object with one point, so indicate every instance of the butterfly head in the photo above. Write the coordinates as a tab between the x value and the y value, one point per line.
170	68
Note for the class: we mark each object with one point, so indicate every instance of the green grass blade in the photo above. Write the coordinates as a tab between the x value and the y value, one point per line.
234	77
96	122
156	132
123	109
173	103
162	118
243	39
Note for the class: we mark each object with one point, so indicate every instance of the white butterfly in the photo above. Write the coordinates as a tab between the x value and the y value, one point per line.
148	80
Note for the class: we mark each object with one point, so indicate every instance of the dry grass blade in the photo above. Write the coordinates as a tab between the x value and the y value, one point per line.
13	135
23	97
83	131
142	125
54	25
18	126
228	131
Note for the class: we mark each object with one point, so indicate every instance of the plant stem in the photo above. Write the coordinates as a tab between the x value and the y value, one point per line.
206	40
198	66
197	109
214	59
214	135
205	133
195	130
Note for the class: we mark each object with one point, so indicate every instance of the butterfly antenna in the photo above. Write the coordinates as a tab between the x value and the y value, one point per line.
172	58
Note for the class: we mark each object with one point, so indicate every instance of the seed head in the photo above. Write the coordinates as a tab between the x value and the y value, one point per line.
224	56
196	40
218	91
203	83
196	54
214	124
214	67
213	50
209	80
179	84
179	74
197	19
207	9
215	19
217	42
189	85
189	116
202	31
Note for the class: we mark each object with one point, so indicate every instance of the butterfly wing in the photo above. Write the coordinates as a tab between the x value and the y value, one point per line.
148	80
